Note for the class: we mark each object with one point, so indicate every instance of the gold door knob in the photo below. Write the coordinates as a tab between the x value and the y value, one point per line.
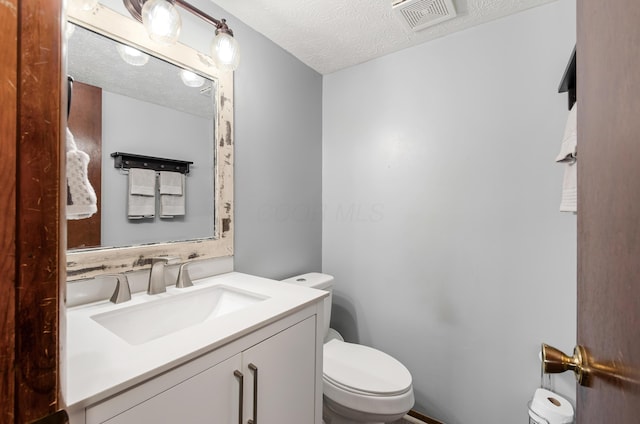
587	368
555	361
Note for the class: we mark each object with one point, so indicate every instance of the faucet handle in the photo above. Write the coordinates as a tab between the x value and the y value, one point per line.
122	293
184	279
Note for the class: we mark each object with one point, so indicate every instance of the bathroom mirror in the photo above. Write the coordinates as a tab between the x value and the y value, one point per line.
210	106
123	100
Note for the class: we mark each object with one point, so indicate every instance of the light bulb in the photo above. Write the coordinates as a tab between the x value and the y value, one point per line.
191	79
132	56
225	52
162	21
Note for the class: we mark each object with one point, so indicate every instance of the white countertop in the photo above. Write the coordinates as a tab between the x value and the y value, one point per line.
99	363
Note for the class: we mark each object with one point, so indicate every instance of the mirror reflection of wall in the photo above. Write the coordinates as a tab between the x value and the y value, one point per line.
149	108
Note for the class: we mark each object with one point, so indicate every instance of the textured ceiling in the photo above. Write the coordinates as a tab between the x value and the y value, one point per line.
93	59
329	35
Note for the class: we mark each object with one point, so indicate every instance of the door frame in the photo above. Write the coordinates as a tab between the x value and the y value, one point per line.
32	268
8	138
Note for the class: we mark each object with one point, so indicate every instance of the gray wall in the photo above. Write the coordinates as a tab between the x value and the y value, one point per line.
441	201
278	161
278	156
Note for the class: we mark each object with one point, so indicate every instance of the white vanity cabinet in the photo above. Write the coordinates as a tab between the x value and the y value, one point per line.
281	369
285	369
209	397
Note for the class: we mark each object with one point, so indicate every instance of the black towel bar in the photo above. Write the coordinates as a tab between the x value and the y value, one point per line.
129	160
569	83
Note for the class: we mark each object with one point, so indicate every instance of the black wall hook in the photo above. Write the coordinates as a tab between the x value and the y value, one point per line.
569	83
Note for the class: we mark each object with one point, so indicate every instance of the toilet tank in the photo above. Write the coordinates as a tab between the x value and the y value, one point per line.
319	281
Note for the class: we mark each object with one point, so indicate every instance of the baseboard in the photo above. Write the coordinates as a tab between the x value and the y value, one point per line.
422	417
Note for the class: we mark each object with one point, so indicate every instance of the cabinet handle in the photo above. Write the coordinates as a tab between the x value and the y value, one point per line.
241	396
255	394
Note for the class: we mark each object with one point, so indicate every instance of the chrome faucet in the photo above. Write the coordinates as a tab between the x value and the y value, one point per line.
122	293
156	276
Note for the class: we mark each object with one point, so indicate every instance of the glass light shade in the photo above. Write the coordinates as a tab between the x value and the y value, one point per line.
225	52
83	4
132	56
191	79
162	21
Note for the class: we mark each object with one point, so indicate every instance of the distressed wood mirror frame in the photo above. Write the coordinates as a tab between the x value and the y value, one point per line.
92	262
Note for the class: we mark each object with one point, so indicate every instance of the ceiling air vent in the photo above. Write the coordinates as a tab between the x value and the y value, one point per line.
420	14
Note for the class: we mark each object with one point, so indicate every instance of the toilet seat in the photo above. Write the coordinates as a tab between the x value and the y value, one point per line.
365	370
365	379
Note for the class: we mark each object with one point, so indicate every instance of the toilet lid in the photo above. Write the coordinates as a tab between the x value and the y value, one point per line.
363	369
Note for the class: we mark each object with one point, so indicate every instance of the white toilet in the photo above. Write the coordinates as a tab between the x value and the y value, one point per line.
360	384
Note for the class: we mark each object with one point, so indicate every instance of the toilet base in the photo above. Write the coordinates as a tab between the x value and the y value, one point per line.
333	413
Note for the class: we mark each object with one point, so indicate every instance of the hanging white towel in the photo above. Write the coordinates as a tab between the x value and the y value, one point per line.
568	156
81	197
142	182
170	182
142	193
172	205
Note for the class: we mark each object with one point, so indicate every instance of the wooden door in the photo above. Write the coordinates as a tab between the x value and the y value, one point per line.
85	123
608	52
32	262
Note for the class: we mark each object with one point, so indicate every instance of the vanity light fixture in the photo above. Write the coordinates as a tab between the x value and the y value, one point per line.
132	56
191	79
162	21
225	50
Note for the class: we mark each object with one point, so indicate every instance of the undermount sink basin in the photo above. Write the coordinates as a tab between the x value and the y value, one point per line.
157	318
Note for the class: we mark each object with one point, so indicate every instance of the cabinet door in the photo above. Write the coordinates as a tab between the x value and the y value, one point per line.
209	397
285	369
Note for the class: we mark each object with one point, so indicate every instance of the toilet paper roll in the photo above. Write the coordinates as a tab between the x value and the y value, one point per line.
552	407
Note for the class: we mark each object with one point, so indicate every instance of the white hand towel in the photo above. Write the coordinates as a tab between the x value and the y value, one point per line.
171	182
172	205
140	206
142	182
81	197
568	156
